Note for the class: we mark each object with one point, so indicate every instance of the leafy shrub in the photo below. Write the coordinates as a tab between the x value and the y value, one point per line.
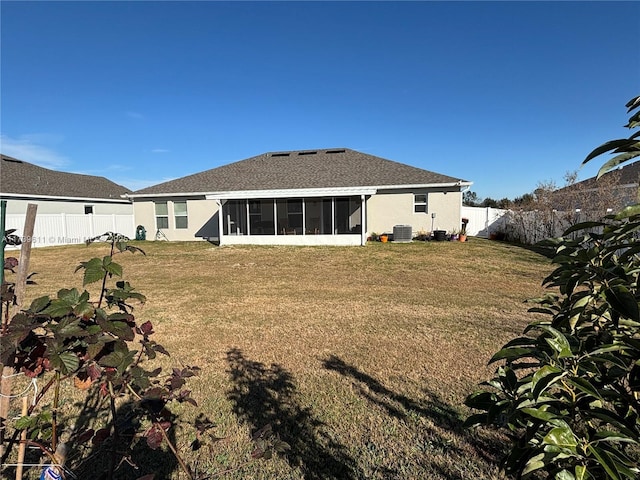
91	343
568	393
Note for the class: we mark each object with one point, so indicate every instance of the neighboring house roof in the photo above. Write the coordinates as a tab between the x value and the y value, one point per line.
625	176
618	188
20	178
302	169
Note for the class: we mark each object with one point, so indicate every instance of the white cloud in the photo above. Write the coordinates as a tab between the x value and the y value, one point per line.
30	149
136	115
160	150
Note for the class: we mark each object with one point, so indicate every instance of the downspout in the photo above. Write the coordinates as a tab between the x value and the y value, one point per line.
363	226
220	221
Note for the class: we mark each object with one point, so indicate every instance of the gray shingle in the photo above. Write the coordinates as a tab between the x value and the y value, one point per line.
326	168
19	177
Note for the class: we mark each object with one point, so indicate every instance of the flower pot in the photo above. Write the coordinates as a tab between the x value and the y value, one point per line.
462	237
439	235
384	238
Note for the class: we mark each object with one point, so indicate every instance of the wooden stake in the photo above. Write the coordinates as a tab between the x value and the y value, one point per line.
20	287
23	440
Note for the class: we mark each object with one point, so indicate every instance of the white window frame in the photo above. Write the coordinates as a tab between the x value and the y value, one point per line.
161	215
422	204
177	215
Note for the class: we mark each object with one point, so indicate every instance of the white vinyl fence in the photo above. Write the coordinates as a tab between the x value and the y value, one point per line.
526	227
68	229
484	220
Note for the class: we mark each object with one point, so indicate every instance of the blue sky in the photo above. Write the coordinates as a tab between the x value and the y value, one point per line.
504	94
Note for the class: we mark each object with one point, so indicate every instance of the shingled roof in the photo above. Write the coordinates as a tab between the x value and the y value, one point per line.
626	175
300	169
18	177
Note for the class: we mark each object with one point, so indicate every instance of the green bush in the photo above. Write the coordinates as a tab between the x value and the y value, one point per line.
568	391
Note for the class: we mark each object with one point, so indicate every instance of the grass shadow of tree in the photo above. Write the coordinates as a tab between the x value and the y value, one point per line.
264	395
446	444
133	458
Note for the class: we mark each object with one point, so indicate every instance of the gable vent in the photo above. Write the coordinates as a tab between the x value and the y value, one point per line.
279	154
335	151
307	153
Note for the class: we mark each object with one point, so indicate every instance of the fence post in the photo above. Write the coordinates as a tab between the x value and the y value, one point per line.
63	216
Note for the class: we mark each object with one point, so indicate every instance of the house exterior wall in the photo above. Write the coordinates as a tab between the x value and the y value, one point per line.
396	207
383	211
202	218
19	206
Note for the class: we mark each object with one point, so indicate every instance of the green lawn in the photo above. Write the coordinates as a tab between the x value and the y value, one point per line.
359	357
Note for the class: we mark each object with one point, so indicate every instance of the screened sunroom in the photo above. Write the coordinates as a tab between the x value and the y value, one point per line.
311	220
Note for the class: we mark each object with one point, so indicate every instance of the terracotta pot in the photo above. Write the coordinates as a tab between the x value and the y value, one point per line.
384	238
462	238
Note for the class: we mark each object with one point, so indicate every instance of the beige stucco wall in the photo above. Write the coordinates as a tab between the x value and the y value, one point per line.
15	206
202	223
384	210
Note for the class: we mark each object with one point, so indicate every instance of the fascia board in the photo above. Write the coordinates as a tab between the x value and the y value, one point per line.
51	197
424	185
295	192
291	193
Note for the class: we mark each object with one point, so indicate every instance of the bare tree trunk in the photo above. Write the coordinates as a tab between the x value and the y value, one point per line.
20	287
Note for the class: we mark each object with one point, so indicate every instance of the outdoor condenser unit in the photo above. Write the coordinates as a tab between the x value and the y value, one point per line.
402	233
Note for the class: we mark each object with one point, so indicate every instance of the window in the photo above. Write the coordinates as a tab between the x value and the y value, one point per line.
88	209
420	203
180	214
162	215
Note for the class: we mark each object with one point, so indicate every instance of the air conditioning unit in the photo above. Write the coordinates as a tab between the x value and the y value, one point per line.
402	233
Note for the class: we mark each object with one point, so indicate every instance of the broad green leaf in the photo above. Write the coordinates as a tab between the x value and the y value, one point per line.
114	359
580	472
69	296
93	271
539	413
84	309
557	341
544	378
585	386
632	145
66	362
534	463
58	308
110	266
39	304
605	461
613	419
69	327
561	437
612	436
512	353
582	226
623	301
476	420
605	147
119	329
481	400
564	475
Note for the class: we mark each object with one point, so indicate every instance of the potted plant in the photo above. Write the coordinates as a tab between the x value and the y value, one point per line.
463	232
454	235
374	237
384	237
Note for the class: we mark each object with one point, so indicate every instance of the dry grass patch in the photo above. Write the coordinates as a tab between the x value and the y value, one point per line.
359	357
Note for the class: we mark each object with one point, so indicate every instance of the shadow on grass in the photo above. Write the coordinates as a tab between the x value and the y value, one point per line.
131	456
441	456
264	395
